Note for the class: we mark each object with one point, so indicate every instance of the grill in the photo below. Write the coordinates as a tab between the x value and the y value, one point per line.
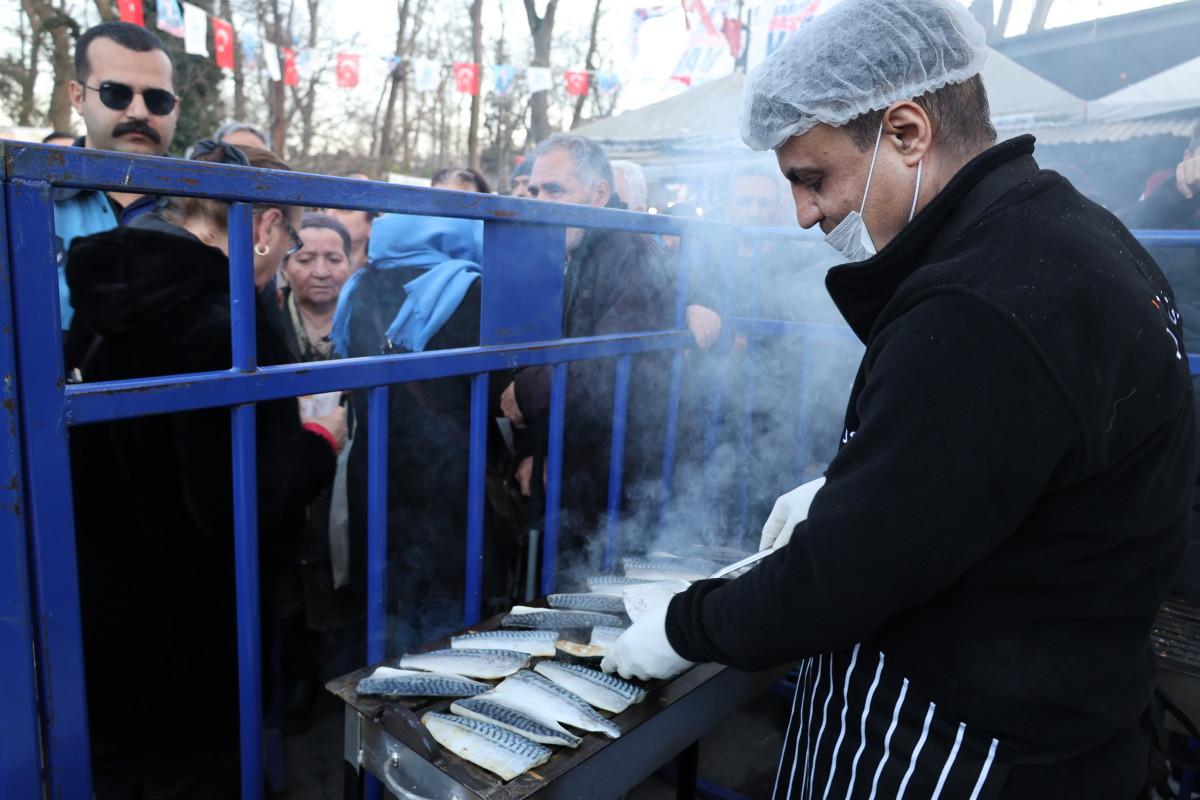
1176	639
385	737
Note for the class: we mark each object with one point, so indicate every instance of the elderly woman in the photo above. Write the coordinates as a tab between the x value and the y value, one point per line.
153	494
314	276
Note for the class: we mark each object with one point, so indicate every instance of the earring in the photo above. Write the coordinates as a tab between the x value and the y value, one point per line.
266	249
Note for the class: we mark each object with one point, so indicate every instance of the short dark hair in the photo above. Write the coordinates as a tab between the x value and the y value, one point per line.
962	121
130	36
465	174
315	219
58	135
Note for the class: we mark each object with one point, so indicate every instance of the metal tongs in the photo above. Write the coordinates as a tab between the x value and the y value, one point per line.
745	562
641	598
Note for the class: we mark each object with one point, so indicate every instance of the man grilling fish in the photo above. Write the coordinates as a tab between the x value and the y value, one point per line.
971	591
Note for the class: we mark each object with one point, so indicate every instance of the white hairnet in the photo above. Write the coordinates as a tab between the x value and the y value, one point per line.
860	56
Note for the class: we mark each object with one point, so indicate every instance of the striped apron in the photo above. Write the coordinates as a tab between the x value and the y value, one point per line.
858	730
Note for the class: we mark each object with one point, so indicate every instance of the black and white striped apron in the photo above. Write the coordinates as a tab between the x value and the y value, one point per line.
858	729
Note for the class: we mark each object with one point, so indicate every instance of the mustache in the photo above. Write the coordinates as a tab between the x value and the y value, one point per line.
138	127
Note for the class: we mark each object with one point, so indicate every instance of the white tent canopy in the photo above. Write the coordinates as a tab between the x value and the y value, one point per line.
1174	89
1020	98
708	113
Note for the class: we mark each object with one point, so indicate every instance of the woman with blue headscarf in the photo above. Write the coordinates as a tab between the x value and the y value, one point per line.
420	290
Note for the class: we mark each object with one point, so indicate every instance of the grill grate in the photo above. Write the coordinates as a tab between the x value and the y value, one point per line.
1176	635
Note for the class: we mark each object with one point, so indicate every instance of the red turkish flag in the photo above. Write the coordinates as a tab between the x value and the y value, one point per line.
577	83
131	11
466	78
290	76
223	43
347	70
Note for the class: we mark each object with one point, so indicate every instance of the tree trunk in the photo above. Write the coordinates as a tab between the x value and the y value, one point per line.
396	79
29	78
590	66
1037	20
277	125
1002	22
477	58
63	30
108	10
542	30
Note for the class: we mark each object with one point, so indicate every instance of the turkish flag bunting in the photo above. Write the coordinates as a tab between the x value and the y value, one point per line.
290	76
347	70
223	43
577	83
131	11
466	78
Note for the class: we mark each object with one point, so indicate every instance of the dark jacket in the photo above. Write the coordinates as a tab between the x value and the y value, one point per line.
428	459
1011	498
616	282
153	495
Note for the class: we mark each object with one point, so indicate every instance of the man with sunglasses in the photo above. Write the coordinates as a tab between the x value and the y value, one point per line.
124	89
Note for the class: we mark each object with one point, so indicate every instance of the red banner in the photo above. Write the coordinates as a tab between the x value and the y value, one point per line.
347	70
290	76
222	43
131	11
577	83
466	78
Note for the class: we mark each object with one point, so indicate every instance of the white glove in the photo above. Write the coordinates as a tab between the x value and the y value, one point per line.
644	652
789	510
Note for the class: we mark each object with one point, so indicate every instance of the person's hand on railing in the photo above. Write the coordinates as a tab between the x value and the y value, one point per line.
508	404
334	424
705	325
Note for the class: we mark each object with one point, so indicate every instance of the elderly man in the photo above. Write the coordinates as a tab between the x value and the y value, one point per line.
616	282
971	591
124	89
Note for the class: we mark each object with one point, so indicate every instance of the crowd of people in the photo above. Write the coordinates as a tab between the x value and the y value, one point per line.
144	292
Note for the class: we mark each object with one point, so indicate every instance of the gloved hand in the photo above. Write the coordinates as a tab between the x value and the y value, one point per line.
644	652
789	510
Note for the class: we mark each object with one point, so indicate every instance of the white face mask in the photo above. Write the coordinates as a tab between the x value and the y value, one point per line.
850	237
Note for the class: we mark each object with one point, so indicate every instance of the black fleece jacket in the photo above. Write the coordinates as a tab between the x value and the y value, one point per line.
1011	498
153	495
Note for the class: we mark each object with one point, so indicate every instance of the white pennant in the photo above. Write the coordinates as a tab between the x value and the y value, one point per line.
539	79
271	57
195	30
428	74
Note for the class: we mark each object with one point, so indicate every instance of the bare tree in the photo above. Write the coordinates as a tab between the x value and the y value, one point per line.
1037	20
542	30
477	58
51	20
590	66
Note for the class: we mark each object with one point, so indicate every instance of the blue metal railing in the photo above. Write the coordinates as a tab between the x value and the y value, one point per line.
43	725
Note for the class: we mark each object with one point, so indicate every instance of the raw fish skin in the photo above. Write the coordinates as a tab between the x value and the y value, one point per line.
604	636
468	663
550	618
489	746
610	584
535	643
516	719
412	683
595	687
662	568
546	697
587	601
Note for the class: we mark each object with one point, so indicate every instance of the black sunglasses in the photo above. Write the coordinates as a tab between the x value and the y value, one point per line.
297	242
118	96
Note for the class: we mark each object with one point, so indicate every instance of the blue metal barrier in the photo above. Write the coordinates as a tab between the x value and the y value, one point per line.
43	725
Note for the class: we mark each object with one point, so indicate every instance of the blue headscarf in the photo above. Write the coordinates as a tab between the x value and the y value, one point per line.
449	249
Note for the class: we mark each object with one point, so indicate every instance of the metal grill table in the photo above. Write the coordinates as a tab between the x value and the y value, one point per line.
384	736
1176	639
